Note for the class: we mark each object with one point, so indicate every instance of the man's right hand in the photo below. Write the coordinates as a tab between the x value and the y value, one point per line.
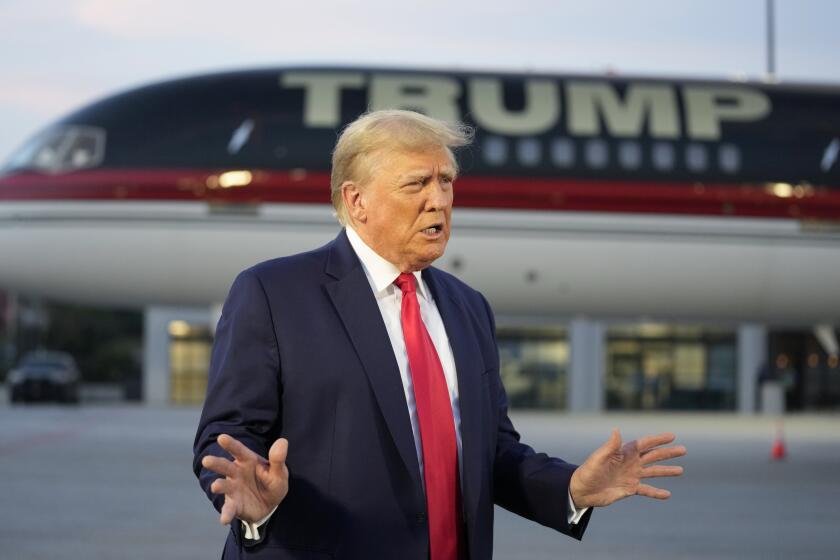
252	486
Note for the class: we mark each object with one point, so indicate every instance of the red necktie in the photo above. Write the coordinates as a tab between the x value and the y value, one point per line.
437	427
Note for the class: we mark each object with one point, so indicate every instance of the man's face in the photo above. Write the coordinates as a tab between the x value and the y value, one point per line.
403	212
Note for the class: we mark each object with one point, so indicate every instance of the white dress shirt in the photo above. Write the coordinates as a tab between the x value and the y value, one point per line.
381	275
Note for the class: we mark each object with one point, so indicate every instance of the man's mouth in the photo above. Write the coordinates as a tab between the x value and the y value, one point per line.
433	229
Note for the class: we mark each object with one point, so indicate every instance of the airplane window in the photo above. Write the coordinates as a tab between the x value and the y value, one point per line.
495	151
729	158
597	154
529	152
40	150
240	136
61	149
695	157
630	155
663	156
563	152
80	158
85	150
46	156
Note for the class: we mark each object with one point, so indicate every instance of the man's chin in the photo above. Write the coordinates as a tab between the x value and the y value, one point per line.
432	257
426	257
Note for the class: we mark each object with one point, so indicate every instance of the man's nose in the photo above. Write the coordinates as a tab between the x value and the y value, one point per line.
440	195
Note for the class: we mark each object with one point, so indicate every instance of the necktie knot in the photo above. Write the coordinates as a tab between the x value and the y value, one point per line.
406	282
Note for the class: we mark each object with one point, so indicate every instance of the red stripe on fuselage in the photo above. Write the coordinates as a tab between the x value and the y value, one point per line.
513	193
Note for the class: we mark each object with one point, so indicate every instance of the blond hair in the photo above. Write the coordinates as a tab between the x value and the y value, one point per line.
391	129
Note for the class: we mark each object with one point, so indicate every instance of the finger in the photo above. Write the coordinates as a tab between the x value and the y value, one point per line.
662	470
219	465
663	454
612	445
228	511
221	486
235	448
652	492
279	450
277	458
649	442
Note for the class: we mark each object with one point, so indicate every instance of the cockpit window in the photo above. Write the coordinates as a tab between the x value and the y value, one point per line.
61	149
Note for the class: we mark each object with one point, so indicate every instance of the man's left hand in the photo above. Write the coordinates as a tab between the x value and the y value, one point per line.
615	471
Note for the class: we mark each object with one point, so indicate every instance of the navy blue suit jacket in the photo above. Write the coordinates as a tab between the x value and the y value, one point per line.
301	352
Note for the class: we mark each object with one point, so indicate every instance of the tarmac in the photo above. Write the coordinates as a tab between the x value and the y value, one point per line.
115	481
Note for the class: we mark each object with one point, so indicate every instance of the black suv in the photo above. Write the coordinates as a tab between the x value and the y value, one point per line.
44	376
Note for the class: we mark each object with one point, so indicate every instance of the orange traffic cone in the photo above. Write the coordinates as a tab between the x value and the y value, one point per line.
778	452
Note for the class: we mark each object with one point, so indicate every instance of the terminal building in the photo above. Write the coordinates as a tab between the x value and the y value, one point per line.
646	244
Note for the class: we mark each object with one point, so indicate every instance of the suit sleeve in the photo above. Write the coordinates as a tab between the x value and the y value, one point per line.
533	485
243	385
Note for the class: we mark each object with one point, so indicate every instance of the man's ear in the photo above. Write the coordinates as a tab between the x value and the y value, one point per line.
354	203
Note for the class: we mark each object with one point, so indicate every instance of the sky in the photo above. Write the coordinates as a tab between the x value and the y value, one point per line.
58	55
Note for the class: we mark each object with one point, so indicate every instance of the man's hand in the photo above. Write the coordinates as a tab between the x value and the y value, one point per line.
252	486
615	471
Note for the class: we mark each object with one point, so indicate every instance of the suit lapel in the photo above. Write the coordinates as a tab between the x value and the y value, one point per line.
464	348
354	301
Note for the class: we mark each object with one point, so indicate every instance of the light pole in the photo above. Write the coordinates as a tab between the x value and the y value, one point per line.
771	41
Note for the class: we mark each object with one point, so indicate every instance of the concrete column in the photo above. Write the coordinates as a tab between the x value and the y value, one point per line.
587	344
155	356
156	321
752	354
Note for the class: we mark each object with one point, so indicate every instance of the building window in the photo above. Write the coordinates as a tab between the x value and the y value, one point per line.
659	366
533	366
809	373
189	362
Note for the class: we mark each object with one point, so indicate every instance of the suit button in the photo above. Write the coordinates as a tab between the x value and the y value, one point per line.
420	518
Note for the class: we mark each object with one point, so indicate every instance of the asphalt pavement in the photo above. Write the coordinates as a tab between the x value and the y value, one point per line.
104	482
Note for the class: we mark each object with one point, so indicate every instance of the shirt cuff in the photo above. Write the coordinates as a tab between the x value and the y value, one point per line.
574	513
252	530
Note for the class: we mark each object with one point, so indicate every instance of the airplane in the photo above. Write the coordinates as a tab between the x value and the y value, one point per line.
605	196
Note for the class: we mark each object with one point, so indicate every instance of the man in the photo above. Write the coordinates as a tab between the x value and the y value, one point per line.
354	406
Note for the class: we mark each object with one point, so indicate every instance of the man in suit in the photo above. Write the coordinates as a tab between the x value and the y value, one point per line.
354	407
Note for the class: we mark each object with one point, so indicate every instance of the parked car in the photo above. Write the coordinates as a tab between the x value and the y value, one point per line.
44	376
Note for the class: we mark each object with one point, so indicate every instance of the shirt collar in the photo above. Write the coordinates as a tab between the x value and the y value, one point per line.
380	272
